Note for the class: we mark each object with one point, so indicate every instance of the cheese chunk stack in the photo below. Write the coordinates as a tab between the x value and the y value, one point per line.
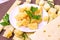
49	32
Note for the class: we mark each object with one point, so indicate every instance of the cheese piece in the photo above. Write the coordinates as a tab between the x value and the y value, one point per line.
37	1
57	7
16	3
49	32
41	3
17	32
52	11
1	27
7	34
50	0
46	6
17	38
59	13
28	1
9	27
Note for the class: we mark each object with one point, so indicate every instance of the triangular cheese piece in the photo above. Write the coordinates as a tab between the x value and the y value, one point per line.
50	32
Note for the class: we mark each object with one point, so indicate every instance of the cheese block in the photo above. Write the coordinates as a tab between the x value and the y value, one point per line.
16	3
1	28
49	32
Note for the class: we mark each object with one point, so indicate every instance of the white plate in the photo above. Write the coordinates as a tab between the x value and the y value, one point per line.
24	29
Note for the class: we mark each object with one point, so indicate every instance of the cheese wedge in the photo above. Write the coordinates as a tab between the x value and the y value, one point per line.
49	32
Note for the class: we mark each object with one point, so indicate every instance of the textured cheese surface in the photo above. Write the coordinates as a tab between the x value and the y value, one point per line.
50	32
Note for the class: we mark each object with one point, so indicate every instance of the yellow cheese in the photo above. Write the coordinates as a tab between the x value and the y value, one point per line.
14	5
28	1
9	27
17	38
46	6
41	3
51	0
7	34
52	11
1	27
18	32
59	13
57	7
32	26
37	1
